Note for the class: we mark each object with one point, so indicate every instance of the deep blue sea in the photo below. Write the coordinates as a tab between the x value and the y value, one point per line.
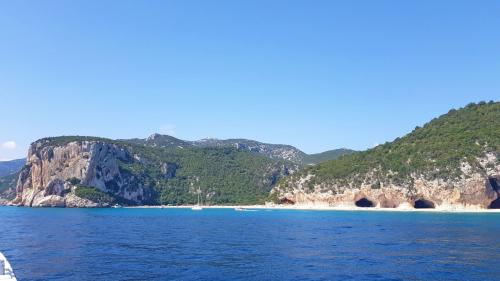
222	244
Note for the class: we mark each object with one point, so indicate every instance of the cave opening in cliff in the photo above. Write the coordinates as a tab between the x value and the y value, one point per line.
423	204
364	203
287	201
494	184
495	204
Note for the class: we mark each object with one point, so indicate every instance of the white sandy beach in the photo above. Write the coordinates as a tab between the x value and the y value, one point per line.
329	208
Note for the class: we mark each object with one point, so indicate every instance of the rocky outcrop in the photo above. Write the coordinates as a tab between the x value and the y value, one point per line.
52	173
476	188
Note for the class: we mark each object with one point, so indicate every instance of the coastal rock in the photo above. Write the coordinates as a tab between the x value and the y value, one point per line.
73	201
51	172
51	201
477	188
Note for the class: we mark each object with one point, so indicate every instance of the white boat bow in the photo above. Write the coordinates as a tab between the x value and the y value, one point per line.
6	272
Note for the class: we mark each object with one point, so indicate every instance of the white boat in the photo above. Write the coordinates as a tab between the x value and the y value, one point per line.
117	206
239	209
197	207
6	272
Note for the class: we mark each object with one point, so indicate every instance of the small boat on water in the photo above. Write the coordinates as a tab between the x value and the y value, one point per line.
117	206
6	272
239	209
197	207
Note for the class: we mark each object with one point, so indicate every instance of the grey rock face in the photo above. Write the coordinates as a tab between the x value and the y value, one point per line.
477	188
45	180
273	151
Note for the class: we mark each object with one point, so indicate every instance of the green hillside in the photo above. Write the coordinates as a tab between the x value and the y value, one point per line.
225	176
172	175
434	150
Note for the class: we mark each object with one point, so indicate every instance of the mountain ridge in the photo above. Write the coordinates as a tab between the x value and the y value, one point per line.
275	151
11	166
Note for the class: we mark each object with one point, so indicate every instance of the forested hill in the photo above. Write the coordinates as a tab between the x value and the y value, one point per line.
439	149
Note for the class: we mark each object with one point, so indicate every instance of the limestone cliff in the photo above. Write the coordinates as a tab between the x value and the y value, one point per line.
474	189
451	162
51	172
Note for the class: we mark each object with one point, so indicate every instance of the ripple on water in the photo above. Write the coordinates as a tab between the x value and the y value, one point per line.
162	244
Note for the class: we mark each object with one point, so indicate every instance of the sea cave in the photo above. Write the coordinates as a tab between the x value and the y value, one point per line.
364	203
423	204
495	204
287	201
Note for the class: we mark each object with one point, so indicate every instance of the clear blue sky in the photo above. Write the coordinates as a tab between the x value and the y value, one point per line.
315	74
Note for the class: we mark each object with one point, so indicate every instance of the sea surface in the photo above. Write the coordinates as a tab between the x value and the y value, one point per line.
223	244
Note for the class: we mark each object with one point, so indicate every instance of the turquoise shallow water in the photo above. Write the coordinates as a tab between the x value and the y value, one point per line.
219	244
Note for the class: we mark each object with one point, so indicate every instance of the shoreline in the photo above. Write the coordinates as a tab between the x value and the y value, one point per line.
321	208
404	208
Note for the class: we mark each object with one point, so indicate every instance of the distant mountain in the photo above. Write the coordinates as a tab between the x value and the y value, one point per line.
8	186
164	141
10	167
451	161
273	151
326	156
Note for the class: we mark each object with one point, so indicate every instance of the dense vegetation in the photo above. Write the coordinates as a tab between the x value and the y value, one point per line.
93	194
173	175
434	150
223	175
